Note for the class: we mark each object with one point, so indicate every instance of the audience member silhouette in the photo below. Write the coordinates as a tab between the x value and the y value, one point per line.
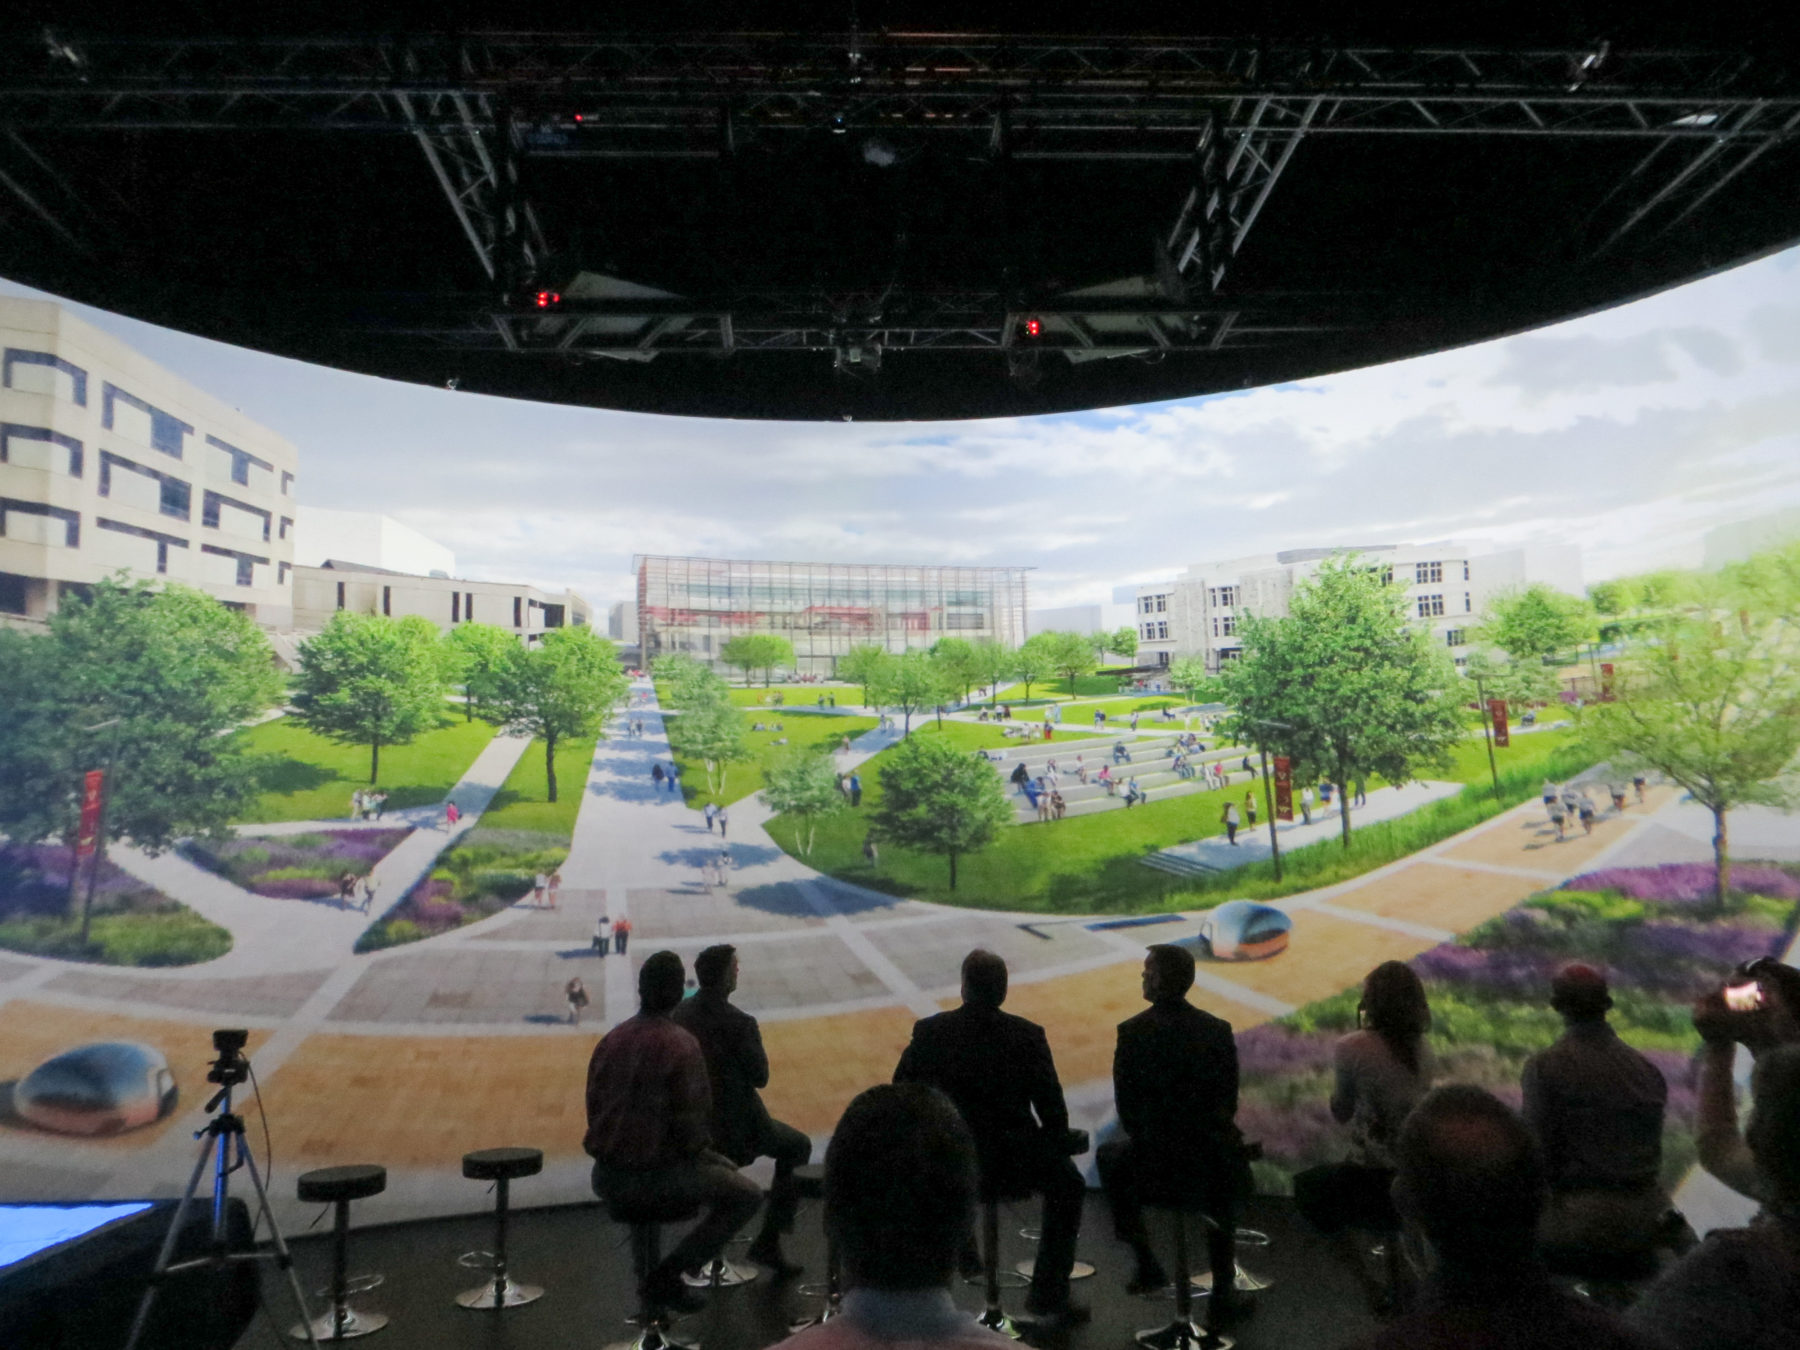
1776	1022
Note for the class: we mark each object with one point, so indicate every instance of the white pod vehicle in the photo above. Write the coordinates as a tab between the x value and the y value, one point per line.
1243	930
105	1088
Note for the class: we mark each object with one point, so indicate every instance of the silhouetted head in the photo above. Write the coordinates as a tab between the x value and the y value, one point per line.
715	967
661	981
900	1187
1393	1007
1168	972
1472	1178
983	979
1579	993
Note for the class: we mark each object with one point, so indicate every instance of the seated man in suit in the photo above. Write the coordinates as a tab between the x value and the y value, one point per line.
998	1070
736	1067
1175	1084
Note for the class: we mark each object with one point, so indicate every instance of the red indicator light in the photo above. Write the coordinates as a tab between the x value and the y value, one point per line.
1033	328
577	117
545	299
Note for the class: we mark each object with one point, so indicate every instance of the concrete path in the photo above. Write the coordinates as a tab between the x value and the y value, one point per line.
1216	853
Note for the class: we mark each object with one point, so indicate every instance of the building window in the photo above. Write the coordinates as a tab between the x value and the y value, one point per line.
1222	597
1465	569
1387	576
387	600
518	612
281	573
40	448
164	542
1428	573
1162	658
246	564
214	509
287	523
1162	629
455	606
1224	625
145	488
287	483
12	593
45	373
1162	604
1453	637
468	606
1431	606
242	461
963	621
340	595
1143	604
160	430
1468	604
35	523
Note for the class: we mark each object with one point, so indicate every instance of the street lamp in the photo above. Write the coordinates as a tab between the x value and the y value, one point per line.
106	791
1268	797
1487	732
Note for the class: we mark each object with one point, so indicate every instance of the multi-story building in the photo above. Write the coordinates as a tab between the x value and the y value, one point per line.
695	605
319	592
369	537
1447	586
107	461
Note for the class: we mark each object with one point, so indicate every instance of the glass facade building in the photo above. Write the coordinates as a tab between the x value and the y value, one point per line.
695	605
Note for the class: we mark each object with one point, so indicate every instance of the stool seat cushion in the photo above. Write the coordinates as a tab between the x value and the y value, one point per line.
492	1164
809	1180
330	1184
639	1210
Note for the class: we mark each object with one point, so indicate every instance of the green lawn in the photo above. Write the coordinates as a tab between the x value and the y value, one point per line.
1055	689
802	728
523	800
989	736
310	778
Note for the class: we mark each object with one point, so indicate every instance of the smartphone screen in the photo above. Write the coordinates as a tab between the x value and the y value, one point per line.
1744	997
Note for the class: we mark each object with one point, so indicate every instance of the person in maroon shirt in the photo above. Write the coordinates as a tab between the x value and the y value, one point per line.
648	1104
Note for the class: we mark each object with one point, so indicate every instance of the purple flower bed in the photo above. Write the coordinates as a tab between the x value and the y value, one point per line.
34	882
1687	883
1272	1049
311	862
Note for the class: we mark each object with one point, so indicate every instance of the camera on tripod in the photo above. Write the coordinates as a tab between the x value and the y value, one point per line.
230	1068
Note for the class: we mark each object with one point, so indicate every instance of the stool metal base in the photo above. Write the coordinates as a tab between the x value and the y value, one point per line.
1005	1279
1079	1271
331	1327
1244	1283
1180	1335
721	1274
825	1314
655	1338
1252	1237
994	1319
517	1295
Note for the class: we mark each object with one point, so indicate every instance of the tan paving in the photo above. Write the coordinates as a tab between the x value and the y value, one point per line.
817	1064
31	1033
1529	840
1456	898
1325	954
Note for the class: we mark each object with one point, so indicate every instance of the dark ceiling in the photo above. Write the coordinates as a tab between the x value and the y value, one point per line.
746	213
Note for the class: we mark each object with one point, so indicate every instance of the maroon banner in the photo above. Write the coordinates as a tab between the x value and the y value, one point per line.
1497	710
1606	681
1284	789
93	784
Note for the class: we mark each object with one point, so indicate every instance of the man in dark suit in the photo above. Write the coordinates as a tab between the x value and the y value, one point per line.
736	1066
1175	1084
998	1070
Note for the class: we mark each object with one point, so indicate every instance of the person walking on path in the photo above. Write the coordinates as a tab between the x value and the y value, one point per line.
555	886
356	804
1099	719
368	892
1306	801
710	811
656	775
1584	811
452	814
539	884
621	934
724	820
871	854
602	936
1362	795
1229	819
1249	808
1551	793
577	995
1558	817
1638	782
346	889
674	776
855	788
380	804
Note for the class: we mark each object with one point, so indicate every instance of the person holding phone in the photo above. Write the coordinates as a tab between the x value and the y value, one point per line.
1758	1008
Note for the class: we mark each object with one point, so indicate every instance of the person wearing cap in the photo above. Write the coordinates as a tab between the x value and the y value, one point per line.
1596	1107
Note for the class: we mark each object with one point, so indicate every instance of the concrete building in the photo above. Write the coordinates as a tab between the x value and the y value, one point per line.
368	537
108	461
319	592
696	605
1737	541
1447	585
1067	619
622	622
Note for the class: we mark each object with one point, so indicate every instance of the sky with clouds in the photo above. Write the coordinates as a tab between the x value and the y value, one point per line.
1629	432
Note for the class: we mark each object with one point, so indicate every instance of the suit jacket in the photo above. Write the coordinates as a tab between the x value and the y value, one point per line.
736	1066
998	1070
1175	1082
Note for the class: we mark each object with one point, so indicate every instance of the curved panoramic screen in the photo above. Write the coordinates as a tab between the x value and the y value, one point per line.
396	726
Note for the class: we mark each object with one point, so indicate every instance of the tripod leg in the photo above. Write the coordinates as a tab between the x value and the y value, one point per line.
282	1257
166	1255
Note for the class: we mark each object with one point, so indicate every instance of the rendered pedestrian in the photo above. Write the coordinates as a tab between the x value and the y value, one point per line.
871	854
855	788
577	995
621	934
539	885
368	892
1362	796
1584	810
1306	804
674	776
346	889
452	814
356	804
1638	783
1057	804
723	820
656	775
555	886
1229	819
380	804
1250	808
1558	817
602	935
709	812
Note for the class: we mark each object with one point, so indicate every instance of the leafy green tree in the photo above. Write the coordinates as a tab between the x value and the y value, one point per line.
957	661
1344	683
804	787
937	799
1071	655
370	680
1034	661
992	663
713	733
909	683
751	652
564	687
863	664
177	669
478	655
1520	683
1712	702
1535	622
1121	641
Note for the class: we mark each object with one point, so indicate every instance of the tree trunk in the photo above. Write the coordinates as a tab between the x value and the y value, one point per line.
1344	811
908	731
468	704
952	869
374	760
940	716
1721	861
550	766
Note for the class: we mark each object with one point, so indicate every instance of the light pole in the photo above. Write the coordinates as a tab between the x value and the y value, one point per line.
1268	795
106	791
1487	732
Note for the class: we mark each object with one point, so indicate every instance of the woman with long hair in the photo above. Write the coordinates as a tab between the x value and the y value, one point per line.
1380	1071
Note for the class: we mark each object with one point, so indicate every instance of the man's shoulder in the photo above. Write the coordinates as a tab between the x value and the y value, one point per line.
1179	1017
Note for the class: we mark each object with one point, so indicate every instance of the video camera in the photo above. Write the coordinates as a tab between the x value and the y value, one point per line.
231	1067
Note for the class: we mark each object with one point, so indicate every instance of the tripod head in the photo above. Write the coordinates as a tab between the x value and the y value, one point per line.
231	1067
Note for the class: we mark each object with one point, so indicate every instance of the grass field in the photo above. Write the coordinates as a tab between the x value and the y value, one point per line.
307	777
523	800
1090	863
801	728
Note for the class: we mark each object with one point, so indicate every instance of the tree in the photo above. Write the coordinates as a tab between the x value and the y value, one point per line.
1536	622
564	687
177	669
1190	675
863	664
478	655
958	663
370	680
992	663
805	787
1120	642
1034	661
1344	682
757	651
1711	700
909	683
1520	683
937	799
1071	655
713	733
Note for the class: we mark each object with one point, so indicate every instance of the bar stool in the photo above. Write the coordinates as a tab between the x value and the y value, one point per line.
994	1192
500	1166
645	1221
339	1186
809	1181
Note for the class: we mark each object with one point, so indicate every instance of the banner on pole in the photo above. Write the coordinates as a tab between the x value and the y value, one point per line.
93	785
1497	710
1284	789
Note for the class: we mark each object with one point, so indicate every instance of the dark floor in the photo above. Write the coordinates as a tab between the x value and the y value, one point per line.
581	1259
